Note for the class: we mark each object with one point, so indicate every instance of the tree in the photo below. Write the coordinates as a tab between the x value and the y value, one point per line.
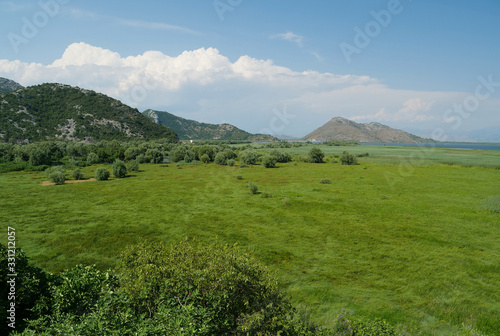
77	174
39	156
92	158
220	159
101	174
248	157
55	174
269	161
348	159
119	169
316	155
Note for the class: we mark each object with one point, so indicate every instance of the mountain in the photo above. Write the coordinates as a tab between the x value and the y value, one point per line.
7	85
341	129
57	111
194	130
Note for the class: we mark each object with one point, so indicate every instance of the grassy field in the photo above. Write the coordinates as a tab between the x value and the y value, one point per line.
417	245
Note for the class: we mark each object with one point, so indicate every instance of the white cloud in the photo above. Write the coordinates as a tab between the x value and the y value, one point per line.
291	37
205	85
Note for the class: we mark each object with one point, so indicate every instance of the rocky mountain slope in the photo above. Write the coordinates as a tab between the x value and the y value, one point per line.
57	111
341	129
7	85
193	130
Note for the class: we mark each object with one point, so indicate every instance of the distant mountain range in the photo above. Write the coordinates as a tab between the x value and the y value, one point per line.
341	129
7	85
57	111
193	130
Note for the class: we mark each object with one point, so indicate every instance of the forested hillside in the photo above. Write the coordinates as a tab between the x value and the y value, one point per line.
57	111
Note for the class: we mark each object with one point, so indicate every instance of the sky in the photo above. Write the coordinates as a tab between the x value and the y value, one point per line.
430	67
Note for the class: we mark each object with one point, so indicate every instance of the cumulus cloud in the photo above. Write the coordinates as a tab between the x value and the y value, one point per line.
205	85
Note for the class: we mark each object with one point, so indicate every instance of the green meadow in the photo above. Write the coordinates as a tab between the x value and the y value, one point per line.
409	235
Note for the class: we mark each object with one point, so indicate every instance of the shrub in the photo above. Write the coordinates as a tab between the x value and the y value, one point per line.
141	158
205	158
254	188
101	174
248	157
281	157
190	156
376	327
213	289
316	155
53	169
325	181
57	177
92	158
266	195
178	153
269	161
231	163
348	159
39	156
220	159
133	165
119	169
239	177
77	174
286	201
363	155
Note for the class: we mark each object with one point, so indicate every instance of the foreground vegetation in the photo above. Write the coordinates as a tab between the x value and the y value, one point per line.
416	247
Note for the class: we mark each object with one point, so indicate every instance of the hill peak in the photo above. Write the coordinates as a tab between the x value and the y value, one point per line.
342	129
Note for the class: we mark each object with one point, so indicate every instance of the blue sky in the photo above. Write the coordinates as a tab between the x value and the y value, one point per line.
409	64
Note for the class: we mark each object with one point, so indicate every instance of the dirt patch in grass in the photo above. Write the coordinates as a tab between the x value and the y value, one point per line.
47	183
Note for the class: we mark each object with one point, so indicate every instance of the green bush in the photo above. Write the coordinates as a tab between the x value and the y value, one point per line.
205	158
141	158
77	174
253	187
248	157
239	177
119	169
56	174
220	159
101	174
31	284
325	181
269	161
231	163
316	155
53	169
281	157
348	159
133	165
376	327
92	158
215	289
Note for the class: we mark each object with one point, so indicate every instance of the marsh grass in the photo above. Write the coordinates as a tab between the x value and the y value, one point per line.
419	253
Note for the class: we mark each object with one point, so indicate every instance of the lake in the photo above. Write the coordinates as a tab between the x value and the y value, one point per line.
472	146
